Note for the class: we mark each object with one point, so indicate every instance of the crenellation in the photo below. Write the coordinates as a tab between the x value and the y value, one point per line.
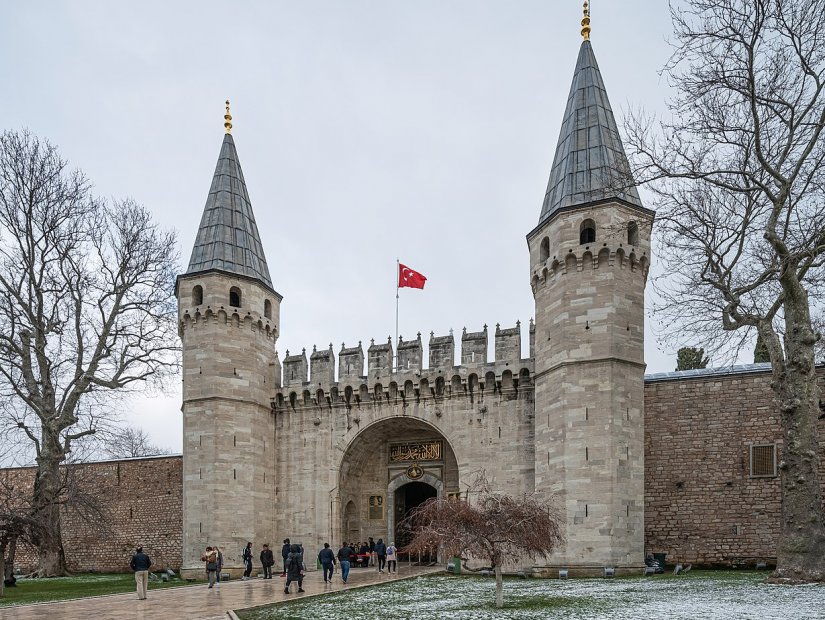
442	351
380	357
322	367
508	344
474	347
350	362
410	354
295	369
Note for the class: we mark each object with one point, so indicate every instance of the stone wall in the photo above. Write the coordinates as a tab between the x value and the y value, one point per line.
701	504
144	498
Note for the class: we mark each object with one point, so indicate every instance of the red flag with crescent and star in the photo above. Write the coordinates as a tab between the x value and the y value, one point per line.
410	277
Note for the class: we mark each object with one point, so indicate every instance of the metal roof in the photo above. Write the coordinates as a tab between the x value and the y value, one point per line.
228	238
701	373
590	163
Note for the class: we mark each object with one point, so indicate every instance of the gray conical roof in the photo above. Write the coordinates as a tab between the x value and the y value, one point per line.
590	162
228	238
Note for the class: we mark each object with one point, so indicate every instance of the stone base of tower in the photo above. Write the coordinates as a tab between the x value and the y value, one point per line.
551	571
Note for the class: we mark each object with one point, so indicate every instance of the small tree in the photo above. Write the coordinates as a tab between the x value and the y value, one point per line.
690	358
130	442
487	525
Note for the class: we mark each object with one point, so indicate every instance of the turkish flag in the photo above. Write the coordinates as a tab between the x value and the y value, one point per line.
410	277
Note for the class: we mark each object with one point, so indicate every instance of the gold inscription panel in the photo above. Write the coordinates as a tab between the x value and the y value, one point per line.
423	451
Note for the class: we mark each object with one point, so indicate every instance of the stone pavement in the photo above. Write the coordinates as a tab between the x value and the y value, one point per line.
199	602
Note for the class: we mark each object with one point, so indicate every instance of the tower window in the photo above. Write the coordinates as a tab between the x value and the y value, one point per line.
544	251
235	297
587	232
268	309
633	234
197	295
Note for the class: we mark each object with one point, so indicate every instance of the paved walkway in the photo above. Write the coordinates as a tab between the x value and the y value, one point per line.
199	602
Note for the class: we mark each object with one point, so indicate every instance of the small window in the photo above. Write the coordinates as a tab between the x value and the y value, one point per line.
197	296
235	297
544	251
763	461
633	234
587	232
439	386
267	309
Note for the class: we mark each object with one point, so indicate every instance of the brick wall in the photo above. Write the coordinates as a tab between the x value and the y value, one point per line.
144	497
701	505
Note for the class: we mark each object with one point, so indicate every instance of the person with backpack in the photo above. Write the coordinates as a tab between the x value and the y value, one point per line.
211	559
295	568
140	563
327	559
246	555
267	561
392	554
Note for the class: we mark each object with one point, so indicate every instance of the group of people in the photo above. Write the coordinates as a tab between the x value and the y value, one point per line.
378	553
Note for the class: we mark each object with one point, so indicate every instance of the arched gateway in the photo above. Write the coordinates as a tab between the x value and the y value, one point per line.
389	468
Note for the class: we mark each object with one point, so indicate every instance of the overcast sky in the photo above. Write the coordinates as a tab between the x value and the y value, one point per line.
366	131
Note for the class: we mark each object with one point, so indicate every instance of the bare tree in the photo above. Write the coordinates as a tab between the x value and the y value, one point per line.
490	526
86	310
738	176
130	442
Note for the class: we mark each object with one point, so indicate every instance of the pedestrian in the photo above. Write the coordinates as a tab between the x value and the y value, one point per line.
140	563
327	559
392	553
247	561
267	560
211	559
345	554
285	554
371	546
219	556
381	554
294	568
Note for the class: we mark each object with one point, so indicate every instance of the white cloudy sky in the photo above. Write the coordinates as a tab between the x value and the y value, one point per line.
367	130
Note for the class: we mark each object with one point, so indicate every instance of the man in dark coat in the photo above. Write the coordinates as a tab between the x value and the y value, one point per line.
345	555
247	562
140	563
294	568
285	554
327	559
267	560
381	552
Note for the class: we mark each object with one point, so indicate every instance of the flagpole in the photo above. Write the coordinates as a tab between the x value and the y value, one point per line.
395	346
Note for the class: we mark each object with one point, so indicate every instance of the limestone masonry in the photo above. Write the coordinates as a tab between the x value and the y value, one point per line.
339	445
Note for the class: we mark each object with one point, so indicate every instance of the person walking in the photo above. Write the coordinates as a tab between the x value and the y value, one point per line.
345	554
247	561
140	563
294	568
327	559
392	553
267	560
371	546
381	554
211	559
285	554
219	556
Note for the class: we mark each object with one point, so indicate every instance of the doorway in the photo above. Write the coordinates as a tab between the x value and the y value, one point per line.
407	498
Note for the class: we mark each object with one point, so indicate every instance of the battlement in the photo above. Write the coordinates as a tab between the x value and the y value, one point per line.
300	374
236	317
584	260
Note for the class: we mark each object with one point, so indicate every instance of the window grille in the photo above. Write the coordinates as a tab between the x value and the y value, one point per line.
763	461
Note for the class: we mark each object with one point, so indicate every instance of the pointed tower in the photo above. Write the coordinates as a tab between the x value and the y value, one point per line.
589	259
228	323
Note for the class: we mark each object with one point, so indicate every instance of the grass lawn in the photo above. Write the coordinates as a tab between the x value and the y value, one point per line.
78	586
713	595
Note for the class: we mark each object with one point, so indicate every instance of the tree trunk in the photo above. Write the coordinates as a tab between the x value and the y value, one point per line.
8	571
801	548
499	587
2	572
46	535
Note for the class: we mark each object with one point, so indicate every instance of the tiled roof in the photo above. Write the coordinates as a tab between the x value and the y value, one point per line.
590	163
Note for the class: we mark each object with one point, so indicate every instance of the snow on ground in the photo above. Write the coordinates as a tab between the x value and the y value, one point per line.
700	594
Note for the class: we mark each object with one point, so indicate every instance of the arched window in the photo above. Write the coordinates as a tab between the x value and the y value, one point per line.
587	232
197	295
544	251
267	309
235	297
632	234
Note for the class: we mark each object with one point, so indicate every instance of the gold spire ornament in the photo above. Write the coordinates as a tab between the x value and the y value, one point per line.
586	22
227	118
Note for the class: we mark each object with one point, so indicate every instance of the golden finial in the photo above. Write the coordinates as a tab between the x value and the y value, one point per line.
586	21
227	119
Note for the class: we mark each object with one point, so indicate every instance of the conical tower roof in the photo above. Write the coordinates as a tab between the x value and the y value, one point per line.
228	238
590	163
